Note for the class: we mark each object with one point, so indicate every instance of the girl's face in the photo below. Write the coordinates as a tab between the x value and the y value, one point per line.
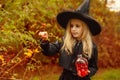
76	28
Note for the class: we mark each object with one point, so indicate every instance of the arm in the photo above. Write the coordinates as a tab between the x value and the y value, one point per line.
93	61
50	49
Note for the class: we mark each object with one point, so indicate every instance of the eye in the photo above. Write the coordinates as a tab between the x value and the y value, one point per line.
77	25
71	25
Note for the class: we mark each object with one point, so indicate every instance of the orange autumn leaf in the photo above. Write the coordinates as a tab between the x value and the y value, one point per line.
28	53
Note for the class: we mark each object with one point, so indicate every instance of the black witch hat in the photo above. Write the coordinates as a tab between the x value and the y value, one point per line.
81	13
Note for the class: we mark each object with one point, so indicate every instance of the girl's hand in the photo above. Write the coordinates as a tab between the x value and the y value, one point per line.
43	35
88	71
83	73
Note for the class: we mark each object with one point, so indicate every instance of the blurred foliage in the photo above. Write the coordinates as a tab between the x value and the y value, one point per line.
21	21
109	39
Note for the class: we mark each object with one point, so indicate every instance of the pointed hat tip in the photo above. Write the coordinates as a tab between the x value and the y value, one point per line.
84	7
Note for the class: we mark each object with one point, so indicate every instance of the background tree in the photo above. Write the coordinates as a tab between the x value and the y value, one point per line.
21	21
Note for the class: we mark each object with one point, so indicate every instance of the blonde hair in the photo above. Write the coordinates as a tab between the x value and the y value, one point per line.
86	39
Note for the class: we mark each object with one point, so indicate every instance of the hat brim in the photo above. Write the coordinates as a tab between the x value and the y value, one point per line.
64	17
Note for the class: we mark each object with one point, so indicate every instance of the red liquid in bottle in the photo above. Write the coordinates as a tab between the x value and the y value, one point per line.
81	66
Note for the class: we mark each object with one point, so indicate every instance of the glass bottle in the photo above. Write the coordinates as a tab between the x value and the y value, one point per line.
81	66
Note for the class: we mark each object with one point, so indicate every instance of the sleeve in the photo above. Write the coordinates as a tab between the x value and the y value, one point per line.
93	67
49	49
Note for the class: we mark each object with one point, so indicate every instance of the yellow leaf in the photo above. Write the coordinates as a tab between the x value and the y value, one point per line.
36	50
28	53
1	58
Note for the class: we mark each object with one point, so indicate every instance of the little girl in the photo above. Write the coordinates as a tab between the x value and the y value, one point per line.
77	42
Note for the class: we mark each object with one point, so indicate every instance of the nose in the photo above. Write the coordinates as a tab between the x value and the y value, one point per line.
73	28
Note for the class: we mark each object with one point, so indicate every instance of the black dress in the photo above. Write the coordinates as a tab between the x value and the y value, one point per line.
68	61
68	75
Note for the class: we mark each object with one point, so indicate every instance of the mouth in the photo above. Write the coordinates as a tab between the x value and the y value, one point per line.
74	33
